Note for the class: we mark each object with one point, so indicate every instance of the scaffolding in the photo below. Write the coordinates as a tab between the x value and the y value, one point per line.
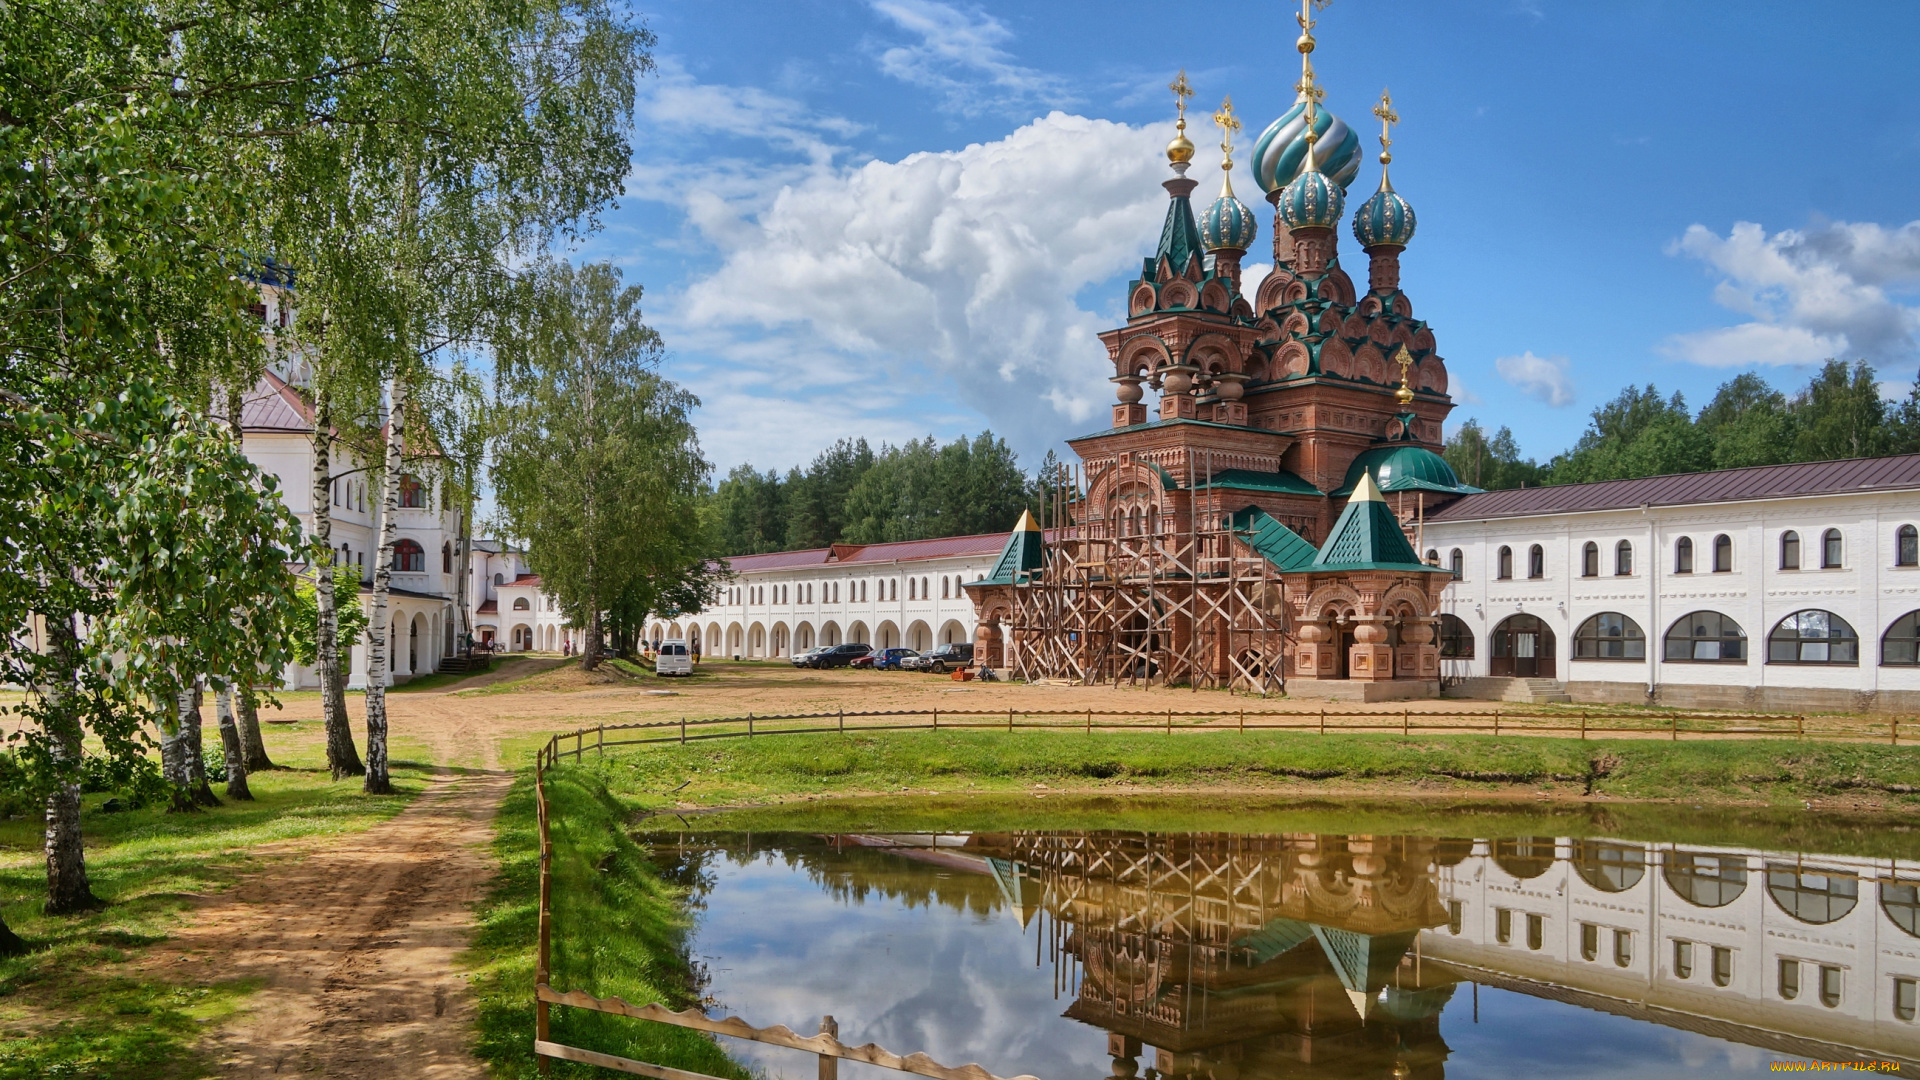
1177	597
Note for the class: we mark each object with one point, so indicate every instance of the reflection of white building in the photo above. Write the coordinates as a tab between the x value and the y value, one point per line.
1789	587
1811	949
510	612
886	595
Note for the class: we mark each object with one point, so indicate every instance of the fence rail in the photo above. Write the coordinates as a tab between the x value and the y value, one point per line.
1589	723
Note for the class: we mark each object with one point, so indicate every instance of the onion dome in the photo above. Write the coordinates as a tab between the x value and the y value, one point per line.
1313	200
1282	148
1384	219
1404	468
1228	225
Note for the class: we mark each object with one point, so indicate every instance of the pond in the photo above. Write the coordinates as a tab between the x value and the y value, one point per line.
1065	953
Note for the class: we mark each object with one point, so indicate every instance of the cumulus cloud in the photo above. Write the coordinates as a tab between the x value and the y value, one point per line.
959	55
1544	378
1839	289
950	273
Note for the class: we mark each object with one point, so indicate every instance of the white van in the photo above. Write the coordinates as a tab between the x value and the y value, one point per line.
673	659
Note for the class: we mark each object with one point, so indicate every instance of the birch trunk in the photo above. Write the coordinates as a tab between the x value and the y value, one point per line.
234	748
67	887
465	567
196	757
590	653
378	782
173	758
342	759
257	759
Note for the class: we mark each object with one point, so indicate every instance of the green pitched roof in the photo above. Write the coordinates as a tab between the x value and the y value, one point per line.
1179	236
1275	938
1364	962
1283	482
1274	542
1368	537
1025	553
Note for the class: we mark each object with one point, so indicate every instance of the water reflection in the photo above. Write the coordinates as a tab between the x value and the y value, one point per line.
1235	957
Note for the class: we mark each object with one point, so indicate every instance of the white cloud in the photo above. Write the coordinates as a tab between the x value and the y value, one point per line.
950	276
1542	377
1835	290
959	55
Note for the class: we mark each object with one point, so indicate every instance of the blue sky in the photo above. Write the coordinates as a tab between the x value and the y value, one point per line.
891	218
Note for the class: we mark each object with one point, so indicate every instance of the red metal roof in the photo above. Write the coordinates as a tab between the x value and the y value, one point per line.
490	607
940	547
272	405
1900	473
526	579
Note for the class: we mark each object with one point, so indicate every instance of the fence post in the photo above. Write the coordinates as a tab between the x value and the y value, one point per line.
749	725
936	719
1089	721
600	740
1169	721
1406	721
843	721
829	1066
1583	723
1243	720
1800	726
683	731
1323	719
1896	731
1009	721
1496	721
1676	727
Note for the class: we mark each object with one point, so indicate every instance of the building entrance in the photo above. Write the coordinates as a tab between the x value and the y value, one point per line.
1523	648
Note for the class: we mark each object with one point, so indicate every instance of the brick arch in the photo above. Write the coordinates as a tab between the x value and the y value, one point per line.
1143	354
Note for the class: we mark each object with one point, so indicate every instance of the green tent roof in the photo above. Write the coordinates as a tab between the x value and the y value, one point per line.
1364	962
1276	543
1275	938
1179	236
1368	536
1025	553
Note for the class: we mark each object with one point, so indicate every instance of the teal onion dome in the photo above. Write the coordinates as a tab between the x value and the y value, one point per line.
1404	468
1312	200
1384	219
1228	225
1282	148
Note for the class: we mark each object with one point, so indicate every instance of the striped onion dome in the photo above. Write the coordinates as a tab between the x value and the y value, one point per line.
1228	225
1312	200
1277	156
1384	219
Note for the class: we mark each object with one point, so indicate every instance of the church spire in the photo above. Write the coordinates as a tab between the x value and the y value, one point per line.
1180	245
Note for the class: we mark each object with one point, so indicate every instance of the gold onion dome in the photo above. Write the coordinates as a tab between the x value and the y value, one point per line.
1180	150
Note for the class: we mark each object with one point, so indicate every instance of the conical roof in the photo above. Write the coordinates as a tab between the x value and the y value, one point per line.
1368	536
1364	962
1025	553
1179	235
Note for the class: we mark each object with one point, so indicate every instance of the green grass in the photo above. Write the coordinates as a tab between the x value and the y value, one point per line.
768	768
621	932
78	1005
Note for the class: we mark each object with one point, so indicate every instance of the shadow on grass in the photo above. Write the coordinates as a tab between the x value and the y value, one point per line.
79	1005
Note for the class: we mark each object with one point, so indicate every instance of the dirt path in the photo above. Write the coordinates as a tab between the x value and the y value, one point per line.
356	945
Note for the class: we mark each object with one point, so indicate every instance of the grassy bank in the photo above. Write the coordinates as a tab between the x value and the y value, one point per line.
1730	772
622	934
80	1005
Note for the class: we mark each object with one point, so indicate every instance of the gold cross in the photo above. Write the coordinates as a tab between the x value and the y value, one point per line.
1388	118
1405	360
1308	88
1182	90
1228	124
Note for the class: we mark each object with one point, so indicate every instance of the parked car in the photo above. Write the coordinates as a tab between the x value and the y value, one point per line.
945	658
837	655
866	662
804	658
893	659
673	659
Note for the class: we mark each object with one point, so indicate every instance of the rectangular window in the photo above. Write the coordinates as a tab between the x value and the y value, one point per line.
1590	561
1682	959
1904	1002
1623	559
1453	920
1830	550
1502	925
1790	551
1536	932
1789	979
1830	986
1722	966
1589	941
1622	948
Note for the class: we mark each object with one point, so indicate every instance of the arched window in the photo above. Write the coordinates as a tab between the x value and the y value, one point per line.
1906	546
1683	556
1706	637
1830	549
945	587
1722	554
1901	901
413	494
499	579
1611	868
1536	562
1590	560
1433	556
1457	562
1812	896
1706	880
1813	637
1789	550
1456	638
1901	645
1506	563
1609	636
409	557
923	588
910	593
1623	558
521	604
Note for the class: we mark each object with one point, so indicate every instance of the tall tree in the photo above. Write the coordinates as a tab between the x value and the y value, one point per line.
1748	423
597	466
1493	463
1840	414
1638	433
749	512
816	500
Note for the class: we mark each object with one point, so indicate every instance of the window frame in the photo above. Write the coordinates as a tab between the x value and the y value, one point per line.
1723	554
1667	641
1683	555
1906	546
1590	559
1623	559
1790	550
1536	563
1503	564
1630	632
1457	562
1829	541
1445	640
1849	641
413	493
409	557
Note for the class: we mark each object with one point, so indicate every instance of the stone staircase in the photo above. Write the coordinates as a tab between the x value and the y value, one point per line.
1524	691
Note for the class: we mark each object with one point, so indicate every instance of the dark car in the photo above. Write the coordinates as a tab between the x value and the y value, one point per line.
837	655
945	658
893	659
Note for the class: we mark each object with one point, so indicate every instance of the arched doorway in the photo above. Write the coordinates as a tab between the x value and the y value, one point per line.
1523	648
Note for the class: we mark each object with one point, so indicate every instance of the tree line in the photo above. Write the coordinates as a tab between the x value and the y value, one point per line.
1838	414
405	168
854	494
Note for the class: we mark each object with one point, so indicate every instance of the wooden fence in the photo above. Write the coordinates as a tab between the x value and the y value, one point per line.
1588	723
